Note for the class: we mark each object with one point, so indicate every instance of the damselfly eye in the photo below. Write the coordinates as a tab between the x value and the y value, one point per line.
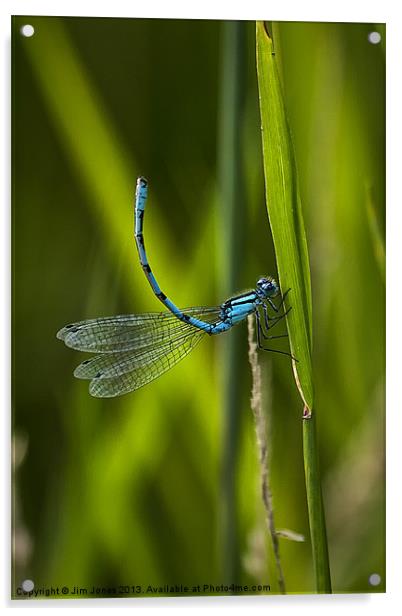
268	286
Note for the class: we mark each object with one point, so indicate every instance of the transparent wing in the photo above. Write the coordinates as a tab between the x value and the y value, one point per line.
125	372
132	349
128	332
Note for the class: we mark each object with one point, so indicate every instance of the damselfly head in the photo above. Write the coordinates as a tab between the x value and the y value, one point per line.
267	287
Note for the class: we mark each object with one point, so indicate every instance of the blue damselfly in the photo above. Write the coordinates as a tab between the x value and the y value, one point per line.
132	350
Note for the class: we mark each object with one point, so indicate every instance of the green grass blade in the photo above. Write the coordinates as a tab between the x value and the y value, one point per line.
284	211
287	226
316	514
377	237
231	184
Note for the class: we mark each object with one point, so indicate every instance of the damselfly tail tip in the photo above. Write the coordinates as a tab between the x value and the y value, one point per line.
141	181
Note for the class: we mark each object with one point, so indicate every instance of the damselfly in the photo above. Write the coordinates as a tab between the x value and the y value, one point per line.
132	350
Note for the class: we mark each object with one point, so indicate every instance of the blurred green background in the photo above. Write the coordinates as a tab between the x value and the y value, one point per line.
134	490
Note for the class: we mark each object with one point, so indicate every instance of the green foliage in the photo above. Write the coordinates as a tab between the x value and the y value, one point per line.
128	490
285	214
287	225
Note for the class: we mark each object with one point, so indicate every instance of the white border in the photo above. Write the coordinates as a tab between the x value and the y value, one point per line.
287	10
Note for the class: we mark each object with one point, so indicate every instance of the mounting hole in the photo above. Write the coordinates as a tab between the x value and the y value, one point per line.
374	38
27	585
27	30
374	579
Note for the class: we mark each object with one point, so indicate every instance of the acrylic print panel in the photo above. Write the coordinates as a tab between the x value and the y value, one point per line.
157	492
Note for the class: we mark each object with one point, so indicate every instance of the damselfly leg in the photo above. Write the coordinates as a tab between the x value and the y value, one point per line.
269	323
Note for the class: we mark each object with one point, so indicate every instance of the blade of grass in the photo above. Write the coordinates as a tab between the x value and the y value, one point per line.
289	237
285	215
231	187
375	232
